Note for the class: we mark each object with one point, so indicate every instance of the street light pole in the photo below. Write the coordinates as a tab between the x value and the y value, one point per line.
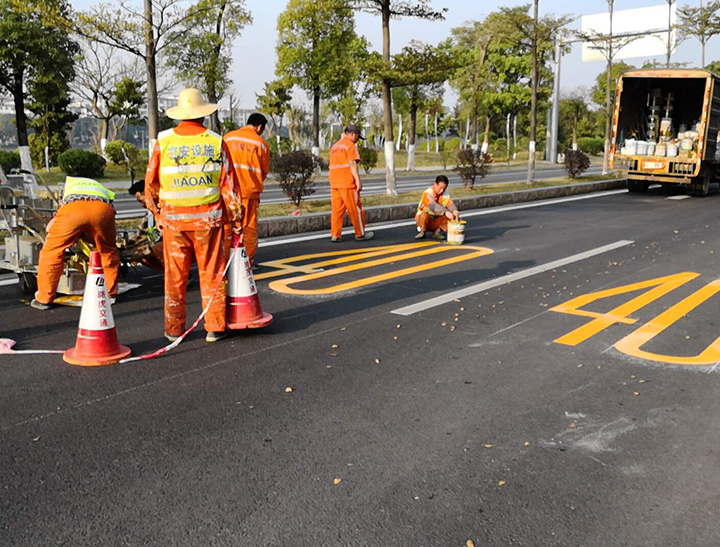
533	99
556	103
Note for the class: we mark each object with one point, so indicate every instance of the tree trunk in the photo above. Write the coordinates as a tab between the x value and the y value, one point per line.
411	138
486	136
151	75
104	132
475	131
575	126
21	118
316	121
669	41
387	105
533	98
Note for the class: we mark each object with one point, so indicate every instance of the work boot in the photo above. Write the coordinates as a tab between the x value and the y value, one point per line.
254	267
214	336
39	305
368	235
170	337
420	235
336	239
438	235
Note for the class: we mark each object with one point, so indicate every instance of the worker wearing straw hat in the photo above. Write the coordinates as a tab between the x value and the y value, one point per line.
190	186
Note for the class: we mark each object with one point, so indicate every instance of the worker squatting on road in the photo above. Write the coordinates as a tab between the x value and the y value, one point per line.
345	186
250	156
190	186
86	210
148	245
435	209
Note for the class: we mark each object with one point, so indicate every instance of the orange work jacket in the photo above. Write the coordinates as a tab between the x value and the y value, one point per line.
250	156
341	154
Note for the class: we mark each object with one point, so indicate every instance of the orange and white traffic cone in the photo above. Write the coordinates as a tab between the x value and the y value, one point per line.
243	304
97	343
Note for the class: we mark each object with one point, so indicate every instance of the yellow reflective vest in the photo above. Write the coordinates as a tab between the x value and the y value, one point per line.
78	186
190	167
429	196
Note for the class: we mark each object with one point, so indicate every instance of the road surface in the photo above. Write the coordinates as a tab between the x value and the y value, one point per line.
552	382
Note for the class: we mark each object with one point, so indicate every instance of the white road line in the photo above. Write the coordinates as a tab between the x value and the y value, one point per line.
411	222
491	284
11	281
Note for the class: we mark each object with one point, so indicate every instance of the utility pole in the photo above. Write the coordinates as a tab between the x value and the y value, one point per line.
533	100
556	102
669	31
608	96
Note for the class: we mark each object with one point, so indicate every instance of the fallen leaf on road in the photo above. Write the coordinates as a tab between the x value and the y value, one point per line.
36	439
398	326
636	393
288	389
443	324
394	337
526	443
343	328
469	543
328	366
502	483
489	445
337	481
572	426
377	361
632	376
334	346
252	406
642	381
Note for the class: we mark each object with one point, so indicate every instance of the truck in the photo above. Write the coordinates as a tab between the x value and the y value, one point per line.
665	129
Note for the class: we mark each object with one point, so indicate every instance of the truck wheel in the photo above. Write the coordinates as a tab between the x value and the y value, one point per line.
700	185
27	283
637	186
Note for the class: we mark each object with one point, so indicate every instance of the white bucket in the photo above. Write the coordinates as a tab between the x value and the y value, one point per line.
456	232
651	149
672	150
660	150
631	147
642	148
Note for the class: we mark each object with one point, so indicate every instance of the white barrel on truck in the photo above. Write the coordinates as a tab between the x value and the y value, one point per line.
665	129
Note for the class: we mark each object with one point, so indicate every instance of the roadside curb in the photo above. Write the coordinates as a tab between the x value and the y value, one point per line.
315	222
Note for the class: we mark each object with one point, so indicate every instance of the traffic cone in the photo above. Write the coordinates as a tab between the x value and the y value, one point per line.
97	342
243	304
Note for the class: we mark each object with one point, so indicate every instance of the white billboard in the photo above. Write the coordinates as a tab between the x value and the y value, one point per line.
630	21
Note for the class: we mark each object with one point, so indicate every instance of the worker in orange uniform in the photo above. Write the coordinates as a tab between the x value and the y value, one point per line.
190	187
435	209
86	210
250	156
345	186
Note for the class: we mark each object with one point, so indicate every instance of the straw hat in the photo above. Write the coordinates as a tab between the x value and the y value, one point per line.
191	105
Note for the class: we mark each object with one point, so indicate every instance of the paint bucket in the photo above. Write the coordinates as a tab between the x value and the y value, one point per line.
672	150
631	147
660	150
456	232
642	148
651	149
686	144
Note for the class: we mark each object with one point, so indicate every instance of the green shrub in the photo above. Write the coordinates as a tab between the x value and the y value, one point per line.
591	145
284	148
295	172
453	143
81	163
576	163
9	160
472	164
114	151
58	144
368	158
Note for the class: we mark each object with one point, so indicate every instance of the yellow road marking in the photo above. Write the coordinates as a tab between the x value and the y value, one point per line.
362	255
632	343
601	321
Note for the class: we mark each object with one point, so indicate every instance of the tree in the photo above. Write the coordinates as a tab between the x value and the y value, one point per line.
201	48
34	52
419	72
274	103
316	38
573	108
599	90
350	105
388	9
144	33
700	22
111	87
714	67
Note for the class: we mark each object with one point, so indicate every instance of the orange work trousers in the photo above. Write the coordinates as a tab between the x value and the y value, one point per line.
430	223
346	199
94	218
249	226
208	248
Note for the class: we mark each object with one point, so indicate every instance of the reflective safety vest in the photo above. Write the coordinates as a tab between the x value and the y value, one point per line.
190	167
429	196
78	186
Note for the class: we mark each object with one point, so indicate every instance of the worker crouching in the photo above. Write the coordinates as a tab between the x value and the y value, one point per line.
435	210
190	188
86	210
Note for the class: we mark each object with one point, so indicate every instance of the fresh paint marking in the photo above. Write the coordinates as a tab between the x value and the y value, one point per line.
11	281
481	212
497	282
362	259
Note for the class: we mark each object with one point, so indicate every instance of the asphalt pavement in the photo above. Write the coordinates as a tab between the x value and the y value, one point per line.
128	206
550	382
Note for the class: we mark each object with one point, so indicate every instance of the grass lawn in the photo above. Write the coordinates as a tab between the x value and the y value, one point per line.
310	206
57	175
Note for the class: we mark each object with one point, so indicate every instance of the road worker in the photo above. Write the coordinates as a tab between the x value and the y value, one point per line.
190	188
250	156
147	245
345	185
435	210
86	210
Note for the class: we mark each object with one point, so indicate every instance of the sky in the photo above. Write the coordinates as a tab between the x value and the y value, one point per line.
254	52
